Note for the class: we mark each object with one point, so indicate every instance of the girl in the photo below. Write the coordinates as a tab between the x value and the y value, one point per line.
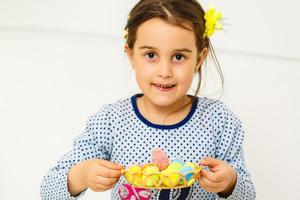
166	43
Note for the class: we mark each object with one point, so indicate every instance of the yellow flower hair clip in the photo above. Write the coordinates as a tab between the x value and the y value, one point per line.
126	33
126	30
212	18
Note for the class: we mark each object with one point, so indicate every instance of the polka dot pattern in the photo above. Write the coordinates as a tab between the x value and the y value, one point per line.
118	134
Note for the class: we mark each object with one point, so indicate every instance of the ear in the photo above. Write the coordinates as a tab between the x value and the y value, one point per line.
129	53
201	57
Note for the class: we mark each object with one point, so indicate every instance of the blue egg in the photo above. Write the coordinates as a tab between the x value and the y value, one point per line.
187	171
178	161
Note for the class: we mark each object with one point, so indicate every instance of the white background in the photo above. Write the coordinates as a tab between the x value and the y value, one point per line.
61	60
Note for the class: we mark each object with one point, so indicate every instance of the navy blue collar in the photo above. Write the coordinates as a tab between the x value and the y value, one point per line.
159	126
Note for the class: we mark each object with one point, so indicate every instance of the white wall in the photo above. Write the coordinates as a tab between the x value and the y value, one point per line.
61	60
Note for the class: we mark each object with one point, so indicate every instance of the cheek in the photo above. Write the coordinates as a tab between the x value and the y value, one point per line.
144	69
143	76
143	72
185	74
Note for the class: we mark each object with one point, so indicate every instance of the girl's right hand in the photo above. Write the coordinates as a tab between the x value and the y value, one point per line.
101	175
96	174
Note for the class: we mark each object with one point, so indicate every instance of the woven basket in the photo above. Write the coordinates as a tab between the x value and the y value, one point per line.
162	177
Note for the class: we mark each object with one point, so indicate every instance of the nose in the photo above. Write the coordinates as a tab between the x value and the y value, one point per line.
165	69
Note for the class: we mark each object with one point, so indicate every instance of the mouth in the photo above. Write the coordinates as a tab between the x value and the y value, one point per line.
163	87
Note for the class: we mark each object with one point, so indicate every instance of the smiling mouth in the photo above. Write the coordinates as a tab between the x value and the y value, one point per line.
164	86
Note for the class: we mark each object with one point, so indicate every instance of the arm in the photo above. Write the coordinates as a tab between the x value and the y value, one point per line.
229	149
95	142
75	180
244	188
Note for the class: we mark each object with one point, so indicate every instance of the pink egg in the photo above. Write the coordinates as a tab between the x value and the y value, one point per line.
160	158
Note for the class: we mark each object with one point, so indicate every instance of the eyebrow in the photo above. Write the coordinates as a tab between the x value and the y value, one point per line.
176	50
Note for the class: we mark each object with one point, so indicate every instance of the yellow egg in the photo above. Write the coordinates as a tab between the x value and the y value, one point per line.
170	178
174	166
132	172
190	182
150	176
195	167
189	164
138	180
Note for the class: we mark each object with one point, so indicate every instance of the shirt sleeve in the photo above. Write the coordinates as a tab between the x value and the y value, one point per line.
94	142
230	137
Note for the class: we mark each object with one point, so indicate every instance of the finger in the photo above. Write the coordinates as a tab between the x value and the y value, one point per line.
211	162
111	165
209	185
212	176
106	182
99	188
109	173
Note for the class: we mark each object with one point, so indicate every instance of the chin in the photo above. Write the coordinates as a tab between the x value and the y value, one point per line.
162	100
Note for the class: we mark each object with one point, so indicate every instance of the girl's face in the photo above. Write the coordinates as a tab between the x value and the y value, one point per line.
165	59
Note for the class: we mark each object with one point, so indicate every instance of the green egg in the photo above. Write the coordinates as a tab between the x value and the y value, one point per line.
175	166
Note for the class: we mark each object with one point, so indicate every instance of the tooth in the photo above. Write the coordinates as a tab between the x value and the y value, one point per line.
165	86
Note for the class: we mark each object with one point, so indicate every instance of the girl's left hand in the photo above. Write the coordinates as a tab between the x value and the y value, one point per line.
221	178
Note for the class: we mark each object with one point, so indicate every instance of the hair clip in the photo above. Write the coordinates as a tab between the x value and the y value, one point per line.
212	21
126	29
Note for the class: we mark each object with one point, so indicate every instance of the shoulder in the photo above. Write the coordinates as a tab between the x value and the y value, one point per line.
217	110
111	110
227	127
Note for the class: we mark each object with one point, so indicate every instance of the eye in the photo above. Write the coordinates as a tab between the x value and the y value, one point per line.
150	56
179	57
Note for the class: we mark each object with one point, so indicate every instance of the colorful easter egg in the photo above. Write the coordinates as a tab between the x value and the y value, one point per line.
150	176
137	181
175	166
160	159
193	165
187	171
177	160
170	178
132	172
191	181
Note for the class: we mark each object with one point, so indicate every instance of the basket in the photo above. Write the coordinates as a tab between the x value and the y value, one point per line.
161	180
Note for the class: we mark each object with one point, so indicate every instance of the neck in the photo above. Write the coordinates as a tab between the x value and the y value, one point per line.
164	115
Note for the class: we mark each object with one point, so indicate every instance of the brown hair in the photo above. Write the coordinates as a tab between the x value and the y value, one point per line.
176	12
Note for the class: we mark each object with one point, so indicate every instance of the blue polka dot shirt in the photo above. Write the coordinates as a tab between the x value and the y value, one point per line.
119	133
